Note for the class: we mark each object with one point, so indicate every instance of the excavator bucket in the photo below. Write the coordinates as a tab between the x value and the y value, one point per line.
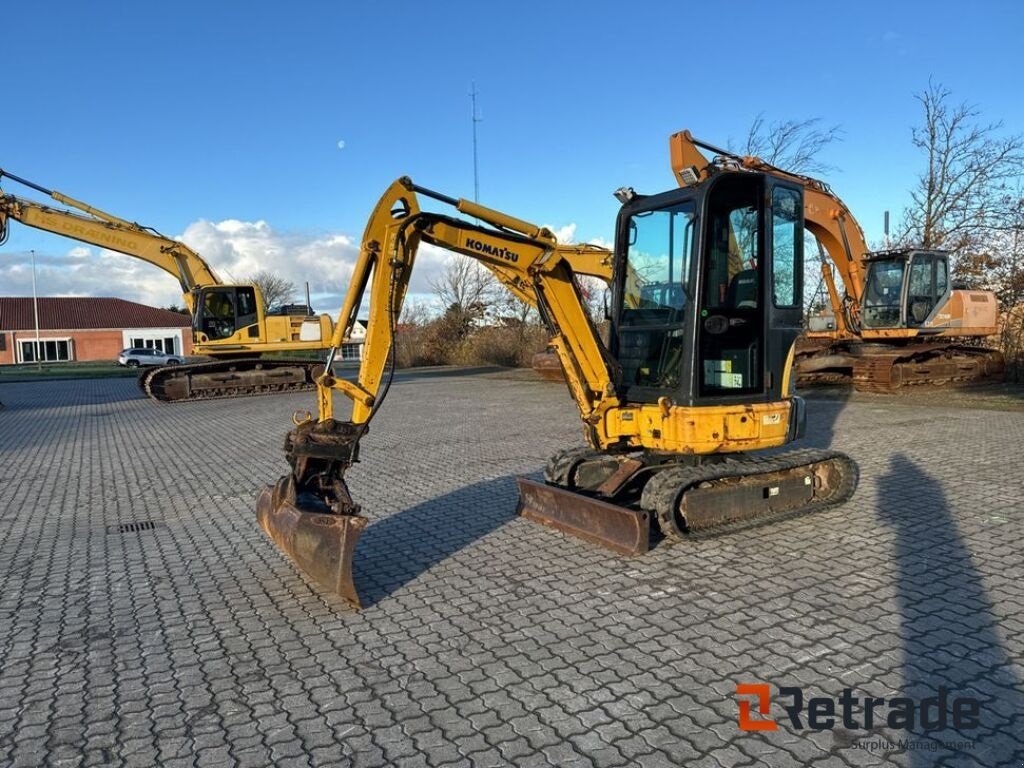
322	545
309	513
620	529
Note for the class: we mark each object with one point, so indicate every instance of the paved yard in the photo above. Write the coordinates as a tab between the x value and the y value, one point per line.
489	640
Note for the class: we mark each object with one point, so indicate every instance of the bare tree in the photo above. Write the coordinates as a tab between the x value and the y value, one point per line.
466	287
961	196
275	289
793	145
1003	261
511	310
414	314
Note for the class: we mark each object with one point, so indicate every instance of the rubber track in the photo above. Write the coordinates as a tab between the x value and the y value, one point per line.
662	493
150	381
558	470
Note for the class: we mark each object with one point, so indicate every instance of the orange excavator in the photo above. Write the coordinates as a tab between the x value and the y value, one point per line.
901	319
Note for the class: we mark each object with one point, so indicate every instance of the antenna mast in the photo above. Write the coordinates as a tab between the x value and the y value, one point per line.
476	166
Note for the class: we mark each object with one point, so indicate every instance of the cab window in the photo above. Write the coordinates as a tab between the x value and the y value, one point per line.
246	298
787	229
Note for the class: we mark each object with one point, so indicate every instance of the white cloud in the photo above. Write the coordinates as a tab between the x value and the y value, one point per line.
565	234
235	249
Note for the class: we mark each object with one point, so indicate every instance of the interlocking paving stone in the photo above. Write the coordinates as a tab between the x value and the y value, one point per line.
487	640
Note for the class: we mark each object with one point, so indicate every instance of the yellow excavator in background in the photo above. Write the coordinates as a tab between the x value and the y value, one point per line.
901	321
706	307
229	322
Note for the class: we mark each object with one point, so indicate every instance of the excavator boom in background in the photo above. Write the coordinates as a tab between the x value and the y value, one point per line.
706	307
900	321
229	322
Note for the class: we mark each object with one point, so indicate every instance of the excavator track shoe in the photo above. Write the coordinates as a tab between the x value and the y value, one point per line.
220	379
620	529
935	367
321	545
715	498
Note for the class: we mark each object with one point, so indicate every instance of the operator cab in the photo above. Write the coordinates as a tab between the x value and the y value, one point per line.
708	290
904	288
224	310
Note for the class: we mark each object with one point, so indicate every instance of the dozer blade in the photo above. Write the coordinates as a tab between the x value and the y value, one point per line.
620	529
322	545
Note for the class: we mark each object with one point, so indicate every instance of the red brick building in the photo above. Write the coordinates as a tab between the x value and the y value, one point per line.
87	329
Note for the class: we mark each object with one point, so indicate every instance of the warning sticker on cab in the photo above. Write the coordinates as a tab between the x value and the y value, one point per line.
718	373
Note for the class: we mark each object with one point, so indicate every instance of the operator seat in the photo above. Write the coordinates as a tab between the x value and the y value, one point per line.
742	291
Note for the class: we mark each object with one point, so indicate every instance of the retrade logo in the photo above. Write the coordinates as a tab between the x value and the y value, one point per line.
764	701
820	713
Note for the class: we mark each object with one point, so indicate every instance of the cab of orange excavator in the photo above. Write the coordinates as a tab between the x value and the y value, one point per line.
905	287
708	294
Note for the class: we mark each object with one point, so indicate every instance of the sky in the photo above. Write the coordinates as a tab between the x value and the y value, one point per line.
263	133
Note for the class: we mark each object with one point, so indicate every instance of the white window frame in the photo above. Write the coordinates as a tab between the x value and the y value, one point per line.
42	342
352	351
154	338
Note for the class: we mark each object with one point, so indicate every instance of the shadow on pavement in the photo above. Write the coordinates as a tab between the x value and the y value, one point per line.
396	550
64	393
824	407
948	628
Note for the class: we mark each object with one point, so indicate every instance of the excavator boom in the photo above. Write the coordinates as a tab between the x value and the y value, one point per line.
104	230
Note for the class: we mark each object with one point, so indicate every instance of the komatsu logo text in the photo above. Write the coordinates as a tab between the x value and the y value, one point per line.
492	250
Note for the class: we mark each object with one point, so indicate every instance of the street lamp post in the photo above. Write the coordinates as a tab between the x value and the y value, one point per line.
35	309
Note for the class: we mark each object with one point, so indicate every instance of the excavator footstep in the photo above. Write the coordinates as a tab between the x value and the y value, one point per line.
321	545
623	530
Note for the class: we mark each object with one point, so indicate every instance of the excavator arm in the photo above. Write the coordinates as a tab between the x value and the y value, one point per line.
525	258
96	227
309	513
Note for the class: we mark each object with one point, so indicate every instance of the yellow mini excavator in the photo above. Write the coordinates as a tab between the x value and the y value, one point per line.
707	301
229	322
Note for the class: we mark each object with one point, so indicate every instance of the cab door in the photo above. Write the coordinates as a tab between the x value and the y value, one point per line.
927	286
785	268
731	340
